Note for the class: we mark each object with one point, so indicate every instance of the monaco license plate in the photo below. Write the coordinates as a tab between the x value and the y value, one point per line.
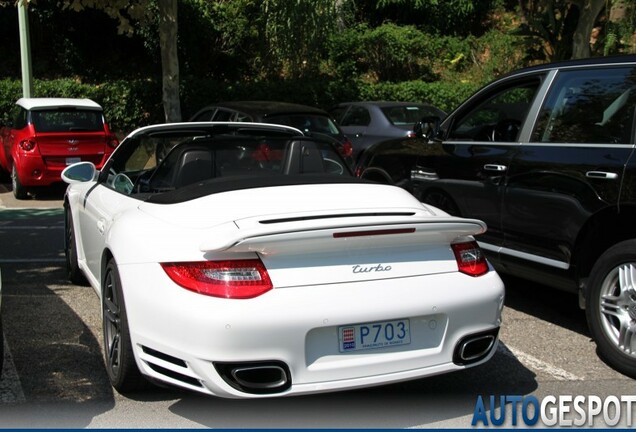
72	160
375	335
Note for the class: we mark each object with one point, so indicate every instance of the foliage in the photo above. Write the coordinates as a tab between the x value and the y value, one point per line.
445	95
313	52
127	104
441	17
295	33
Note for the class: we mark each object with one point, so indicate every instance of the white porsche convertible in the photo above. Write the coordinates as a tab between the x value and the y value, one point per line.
244	260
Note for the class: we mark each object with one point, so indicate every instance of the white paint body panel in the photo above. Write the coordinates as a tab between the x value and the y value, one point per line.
315	288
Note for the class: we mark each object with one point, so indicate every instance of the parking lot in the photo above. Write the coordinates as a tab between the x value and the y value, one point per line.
54	374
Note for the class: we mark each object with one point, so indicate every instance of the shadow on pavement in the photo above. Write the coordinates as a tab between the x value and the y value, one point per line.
55	192
545	303
55	354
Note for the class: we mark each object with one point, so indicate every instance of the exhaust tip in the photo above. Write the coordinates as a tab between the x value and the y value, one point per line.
267	377
474	348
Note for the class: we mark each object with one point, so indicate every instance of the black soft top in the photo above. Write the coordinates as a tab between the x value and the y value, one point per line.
228	184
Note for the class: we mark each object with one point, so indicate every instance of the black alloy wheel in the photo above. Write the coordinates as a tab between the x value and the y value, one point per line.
1	347
442	201
121	367
611	306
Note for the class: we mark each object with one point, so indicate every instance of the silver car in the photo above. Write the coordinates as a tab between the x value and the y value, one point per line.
366	123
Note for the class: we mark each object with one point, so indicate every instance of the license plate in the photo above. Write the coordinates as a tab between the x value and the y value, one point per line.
72	160
359	337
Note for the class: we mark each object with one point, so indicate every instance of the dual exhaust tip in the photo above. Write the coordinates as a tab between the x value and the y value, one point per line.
474	348
271	377
266	377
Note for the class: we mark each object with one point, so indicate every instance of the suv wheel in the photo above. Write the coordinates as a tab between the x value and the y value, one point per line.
611	306
442	201
18	190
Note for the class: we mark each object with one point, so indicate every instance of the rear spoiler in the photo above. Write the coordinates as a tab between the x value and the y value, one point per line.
352	231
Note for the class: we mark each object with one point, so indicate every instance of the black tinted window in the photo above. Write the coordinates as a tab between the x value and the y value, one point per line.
19	118
589	106
166	161
67	120
499	116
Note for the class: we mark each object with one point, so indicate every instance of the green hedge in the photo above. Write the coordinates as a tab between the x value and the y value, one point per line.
135	103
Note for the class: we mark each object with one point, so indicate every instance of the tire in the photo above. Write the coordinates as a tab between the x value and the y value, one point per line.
121	367
442	201
73	272
611	307
1	348
19	191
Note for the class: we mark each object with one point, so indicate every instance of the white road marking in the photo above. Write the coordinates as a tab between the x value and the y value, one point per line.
538	365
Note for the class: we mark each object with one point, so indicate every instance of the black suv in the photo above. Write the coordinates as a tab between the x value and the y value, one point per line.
545	156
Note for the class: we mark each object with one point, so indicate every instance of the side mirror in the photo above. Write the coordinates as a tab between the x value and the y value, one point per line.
427	128
80	172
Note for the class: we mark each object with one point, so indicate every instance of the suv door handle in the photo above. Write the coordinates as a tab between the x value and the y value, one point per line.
494	167
601	175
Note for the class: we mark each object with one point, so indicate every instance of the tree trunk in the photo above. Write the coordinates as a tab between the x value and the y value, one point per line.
589	11
169	59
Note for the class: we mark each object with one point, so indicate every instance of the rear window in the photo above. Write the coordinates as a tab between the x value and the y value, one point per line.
307	123
67	120
408	115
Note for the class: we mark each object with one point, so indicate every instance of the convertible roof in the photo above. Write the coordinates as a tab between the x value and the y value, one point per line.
35	103
228	184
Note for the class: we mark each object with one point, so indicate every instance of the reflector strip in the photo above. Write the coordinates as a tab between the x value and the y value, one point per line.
373	232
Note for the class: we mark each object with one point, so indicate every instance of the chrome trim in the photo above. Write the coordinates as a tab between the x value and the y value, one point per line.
601	175
526	256
537	143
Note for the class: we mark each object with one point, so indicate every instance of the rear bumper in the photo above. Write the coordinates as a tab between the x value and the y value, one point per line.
33	171
180	337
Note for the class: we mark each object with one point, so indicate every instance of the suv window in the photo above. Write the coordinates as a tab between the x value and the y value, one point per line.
589	106
499	117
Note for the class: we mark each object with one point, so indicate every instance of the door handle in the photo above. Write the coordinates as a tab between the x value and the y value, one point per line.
101	226
495	167
601	175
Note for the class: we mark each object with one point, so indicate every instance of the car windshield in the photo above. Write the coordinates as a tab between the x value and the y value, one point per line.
167	161
408	115
67	120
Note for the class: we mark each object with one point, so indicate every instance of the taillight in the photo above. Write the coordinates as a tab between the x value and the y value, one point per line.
411	134
470	258
27	145
232	279
112	141
346	149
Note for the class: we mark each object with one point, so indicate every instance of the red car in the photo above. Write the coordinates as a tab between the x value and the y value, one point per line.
45	135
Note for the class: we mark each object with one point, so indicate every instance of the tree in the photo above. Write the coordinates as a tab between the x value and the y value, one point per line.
562	28
589	11
126	11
